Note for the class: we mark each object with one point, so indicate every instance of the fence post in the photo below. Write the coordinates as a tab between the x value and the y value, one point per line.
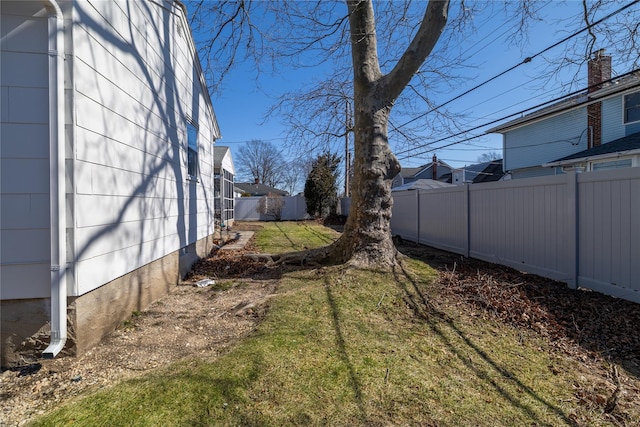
467	219
418	216
571	227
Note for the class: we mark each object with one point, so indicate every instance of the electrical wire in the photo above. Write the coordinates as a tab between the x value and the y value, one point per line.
524	61
535	107
223	142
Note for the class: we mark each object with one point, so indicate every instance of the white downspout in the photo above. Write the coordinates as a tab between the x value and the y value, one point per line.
57	186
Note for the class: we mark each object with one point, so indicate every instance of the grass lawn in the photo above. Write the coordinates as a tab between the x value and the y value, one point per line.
343	347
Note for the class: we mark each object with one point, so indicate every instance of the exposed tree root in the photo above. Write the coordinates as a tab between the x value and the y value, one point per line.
326	255
307	258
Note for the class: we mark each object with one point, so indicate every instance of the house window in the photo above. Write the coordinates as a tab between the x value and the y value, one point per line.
615	164
192	150
632	107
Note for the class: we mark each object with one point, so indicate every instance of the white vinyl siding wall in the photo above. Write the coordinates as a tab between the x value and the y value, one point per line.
136	87
24	151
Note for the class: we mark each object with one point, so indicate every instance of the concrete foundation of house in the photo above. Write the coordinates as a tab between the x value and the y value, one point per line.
25	328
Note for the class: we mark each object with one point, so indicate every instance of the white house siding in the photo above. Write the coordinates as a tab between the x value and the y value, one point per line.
546	140
24	151
227	173
136	86
612	126
227	163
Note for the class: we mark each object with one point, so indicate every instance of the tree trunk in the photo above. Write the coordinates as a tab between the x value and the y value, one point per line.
366	240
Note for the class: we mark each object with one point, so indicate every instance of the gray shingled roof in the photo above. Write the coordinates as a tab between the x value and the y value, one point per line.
259	189
487	171
626	143
422	184
409	172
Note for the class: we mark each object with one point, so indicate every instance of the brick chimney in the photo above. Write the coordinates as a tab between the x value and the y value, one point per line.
256	181
599	70
434	167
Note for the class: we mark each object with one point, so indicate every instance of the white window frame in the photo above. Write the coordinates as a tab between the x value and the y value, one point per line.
593	165
624	108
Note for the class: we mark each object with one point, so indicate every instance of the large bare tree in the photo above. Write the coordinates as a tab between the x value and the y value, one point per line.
366	239
392	66
367	236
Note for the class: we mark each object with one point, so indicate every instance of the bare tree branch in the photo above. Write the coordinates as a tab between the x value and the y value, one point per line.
435	18
261	162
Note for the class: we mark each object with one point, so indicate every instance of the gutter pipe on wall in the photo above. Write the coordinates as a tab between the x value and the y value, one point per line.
57	186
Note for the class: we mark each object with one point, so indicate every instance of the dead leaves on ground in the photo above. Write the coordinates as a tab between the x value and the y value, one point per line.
230	263
597	322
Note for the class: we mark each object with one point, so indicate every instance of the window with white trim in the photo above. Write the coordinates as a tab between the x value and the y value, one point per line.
192	150
612	164
632	108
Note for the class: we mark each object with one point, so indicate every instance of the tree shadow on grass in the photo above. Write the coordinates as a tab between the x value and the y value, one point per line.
342	350
602	325
446	329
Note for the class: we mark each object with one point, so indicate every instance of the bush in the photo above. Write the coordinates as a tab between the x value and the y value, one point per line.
320	191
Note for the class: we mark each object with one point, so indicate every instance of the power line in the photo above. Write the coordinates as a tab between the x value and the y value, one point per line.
535	107
222	141
524	61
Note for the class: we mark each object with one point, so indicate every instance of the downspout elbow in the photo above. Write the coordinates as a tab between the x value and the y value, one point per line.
57	180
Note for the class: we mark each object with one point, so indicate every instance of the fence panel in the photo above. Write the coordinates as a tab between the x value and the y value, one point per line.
404	217
523	224
443	218
609	232
345	206
294	209
245	209
583	229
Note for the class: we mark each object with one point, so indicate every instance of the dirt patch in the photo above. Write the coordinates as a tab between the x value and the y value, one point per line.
190	321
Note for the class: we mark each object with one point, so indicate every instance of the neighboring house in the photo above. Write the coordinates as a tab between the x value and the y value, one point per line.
475	174
224	171
422	184
608	111
436	170
256	189
106	167
236	192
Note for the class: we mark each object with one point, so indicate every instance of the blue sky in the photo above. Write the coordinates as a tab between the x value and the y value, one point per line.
241	106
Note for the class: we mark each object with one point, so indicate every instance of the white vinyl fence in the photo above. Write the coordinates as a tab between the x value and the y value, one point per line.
294	209
582	229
